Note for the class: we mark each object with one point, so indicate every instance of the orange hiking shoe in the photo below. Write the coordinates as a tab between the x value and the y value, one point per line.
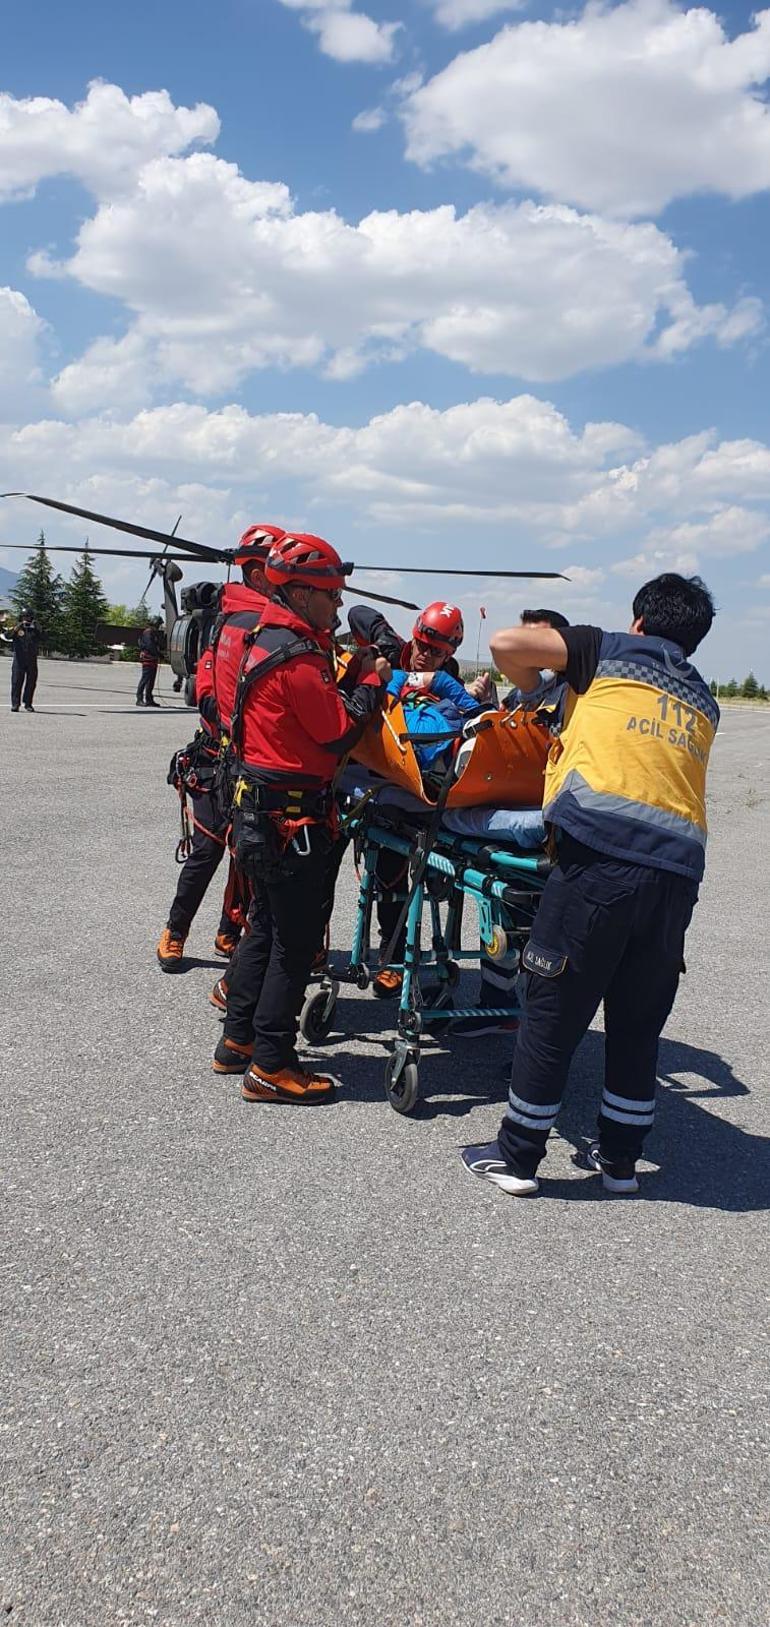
287	1085
170	950
225	944
387	984
230	1057
218	995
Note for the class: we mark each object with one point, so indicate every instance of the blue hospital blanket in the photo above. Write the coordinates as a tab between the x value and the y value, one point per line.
522	827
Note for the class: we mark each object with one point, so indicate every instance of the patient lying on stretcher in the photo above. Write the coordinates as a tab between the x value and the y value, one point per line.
434	703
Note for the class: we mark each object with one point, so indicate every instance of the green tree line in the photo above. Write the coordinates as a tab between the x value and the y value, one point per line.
68	613
749	690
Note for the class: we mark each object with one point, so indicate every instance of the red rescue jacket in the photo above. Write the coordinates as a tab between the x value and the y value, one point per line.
217	671
294	722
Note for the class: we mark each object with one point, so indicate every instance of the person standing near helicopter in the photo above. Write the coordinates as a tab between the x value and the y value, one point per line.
291	725
241	607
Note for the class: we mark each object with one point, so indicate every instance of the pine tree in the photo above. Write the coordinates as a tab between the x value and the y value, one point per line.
40	589
750	688
85	605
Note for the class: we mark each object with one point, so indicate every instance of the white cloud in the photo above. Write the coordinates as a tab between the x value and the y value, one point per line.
21	331
621	109
224	276
372	118
111	373
494	483
454	14
582	576
764	581
728	531
515	463
345	34
103	141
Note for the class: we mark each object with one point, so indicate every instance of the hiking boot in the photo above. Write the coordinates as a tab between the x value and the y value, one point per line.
387	984
225	944
485	1160
171	950
230	1057
493	1022
618	1174
287	1085
218	996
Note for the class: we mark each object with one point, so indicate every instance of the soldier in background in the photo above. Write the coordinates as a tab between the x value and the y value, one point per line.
25	638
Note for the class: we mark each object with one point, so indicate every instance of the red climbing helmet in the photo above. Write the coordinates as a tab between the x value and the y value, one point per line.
255	544
305	561
440	626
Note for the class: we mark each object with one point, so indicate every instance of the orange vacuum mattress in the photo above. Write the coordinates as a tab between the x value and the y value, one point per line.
501	764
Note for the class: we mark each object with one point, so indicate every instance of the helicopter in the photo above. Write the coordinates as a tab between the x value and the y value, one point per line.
190	615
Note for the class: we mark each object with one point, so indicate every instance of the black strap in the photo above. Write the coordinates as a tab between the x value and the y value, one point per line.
278	658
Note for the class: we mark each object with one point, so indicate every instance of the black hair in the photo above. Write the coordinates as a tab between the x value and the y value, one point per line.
679	608
554	618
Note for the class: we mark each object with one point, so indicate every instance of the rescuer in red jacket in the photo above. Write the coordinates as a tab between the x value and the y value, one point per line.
216	675
291	725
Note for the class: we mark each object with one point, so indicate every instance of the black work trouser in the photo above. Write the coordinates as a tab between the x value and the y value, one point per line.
199	868
146	684
391	877
23	681
610	931
267	977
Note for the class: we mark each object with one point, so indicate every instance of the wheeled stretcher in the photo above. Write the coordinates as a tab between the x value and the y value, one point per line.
490	858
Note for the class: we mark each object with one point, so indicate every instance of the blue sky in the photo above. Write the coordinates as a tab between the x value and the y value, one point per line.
517	319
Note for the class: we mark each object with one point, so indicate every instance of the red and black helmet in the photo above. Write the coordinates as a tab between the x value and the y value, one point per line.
305	561
255	544
440	626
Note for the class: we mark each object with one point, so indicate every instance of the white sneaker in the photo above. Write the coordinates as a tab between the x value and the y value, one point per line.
484	1160
618	1177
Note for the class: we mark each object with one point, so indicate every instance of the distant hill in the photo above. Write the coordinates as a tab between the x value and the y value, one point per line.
7	581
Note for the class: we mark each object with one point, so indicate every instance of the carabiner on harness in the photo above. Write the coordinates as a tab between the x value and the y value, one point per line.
303	847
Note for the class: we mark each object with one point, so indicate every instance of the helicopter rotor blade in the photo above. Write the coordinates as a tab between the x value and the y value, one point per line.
120	553
164	555
442	570
199	549
381	598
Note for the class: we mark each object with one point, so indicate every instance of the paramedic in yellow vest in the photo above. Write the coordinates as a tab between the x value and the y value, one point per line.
625	803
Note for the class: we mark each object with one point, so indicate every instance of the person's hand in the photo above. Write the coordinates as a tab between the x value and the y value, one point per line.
383	669
481	688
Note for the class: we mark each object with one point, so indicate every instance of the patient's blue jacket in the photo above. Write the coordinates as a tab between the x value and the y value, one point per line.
440	709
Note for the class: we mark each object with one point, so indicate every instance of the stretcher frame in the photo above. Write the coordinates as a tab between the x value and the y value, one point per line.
445	871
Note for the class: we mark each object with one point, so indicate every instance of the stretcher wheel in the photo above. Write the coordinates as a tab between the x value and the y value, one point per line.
402	1092
317	1016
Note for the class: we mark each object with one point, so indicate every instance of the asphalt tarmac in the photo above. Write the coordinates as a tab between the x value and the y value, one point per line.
296	1368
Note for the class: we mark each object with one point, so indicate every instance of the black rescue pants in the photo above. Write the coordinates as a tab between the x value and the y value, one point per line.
392	882
610	931
23	681
146	684
208	850
267	978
